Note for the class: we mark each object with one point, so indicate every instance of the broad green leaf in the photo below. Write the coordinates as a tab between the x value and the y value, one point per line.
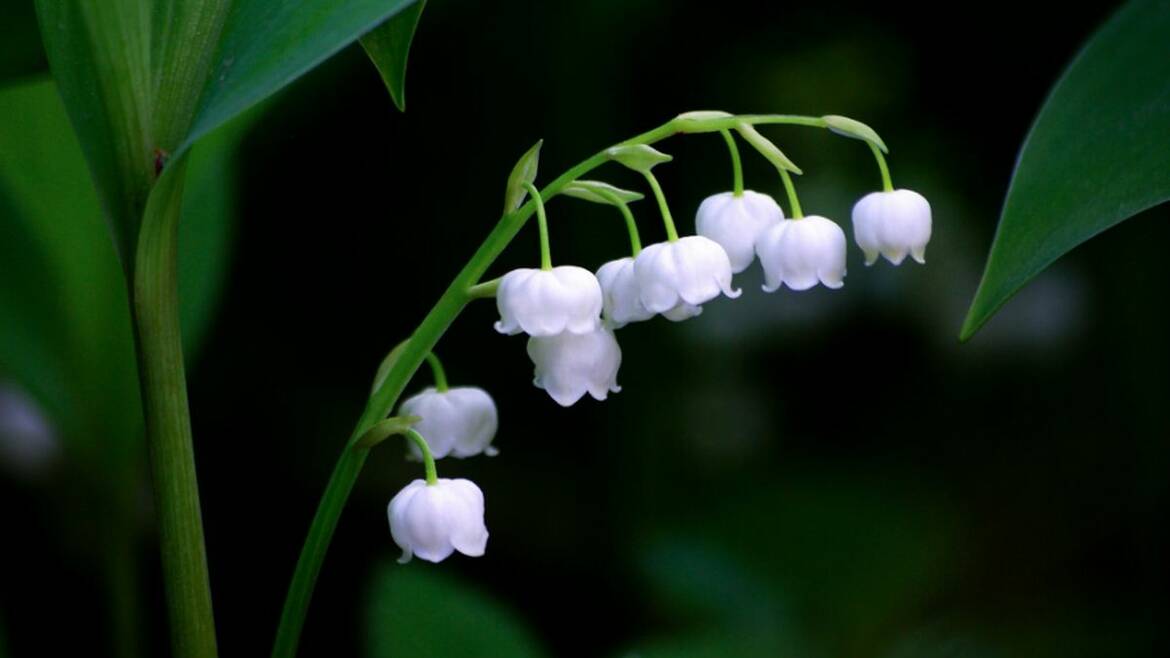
88	326
523	172
268	43
99	54
65	332
1096	155
419	611
388	46
599	192
21	54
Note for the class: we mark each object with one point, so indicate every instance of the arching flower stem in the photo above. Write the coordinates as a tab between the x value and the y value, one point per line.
413	352
631	225
736	165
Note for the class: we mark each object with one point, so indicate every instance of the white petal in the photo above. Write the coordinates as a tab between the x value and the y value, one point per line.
546	303
800	253
735	223
691	270
568	366
893	223
620	294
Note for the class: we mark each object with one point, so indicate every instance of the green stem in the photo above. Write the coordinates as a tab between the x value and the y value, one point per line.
542	220
790	189
736	165
438	372
667	220
887	184
411	356
631	225
485	290
428	458
168	425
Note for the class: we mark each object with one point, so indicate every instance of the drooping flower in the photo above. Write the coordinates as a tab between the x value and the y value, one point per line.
460	421
433	521
621	301
568	365
549	302
892	224
736	223
685	272
799	253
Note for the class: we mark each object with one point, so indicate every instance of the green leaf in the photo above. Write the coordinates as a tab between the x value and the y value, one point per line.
420	611
1094	157
388	46
770	151
73	349
599	192
268	43
523	172
855	129
639	157
99	54
22	54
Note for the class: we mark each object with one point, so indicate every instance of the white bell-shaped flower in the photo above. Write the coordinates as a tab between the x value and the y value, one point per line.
799	253
684	272
736	223
433	521
549	302
892	224
568	366
460	421
621	301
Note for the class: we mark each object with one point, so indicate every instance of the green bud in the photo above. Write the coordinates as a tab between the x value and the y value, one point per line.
766	148
523	172
599	192
855	129
703	121
638	157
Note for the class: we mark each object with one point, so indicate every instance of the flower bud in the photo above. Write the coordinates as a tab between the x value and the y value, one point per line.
689	271
736	222
621	301
433	521
892	224
460	421
549	302
799	253
568	366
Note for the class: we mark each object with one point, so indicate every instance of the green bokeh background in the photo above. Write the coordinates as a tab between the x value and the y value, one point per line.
812	474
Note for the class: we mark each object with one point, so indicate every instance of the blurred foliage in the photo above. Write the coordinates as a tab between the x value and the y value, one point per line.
1088	162
21	54
418	611
388	46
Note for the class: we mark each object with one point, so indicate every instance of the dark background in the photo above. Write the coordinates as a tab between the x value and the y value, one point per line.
827	473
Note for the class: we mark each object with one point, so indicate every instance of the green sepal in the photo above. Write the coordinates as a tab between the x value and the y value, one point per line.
852	128
770	151
599	192
639	157
523	172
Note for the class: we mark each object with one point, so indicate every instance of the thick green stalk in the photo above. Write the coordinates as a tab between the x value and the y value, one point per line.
412	353
168	425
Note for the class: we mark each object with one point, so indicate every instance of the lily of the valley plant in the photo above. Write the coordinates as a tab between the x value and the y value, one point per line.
571	316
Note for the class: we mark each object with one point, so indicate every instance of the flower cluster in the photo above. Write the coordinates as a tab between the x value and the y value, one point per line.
570	314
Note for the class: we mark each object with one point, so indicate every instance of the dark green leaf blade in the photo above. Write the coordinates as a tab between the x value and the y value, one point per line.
388	46
267	44
1095	156
22	54
418	611
99	54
